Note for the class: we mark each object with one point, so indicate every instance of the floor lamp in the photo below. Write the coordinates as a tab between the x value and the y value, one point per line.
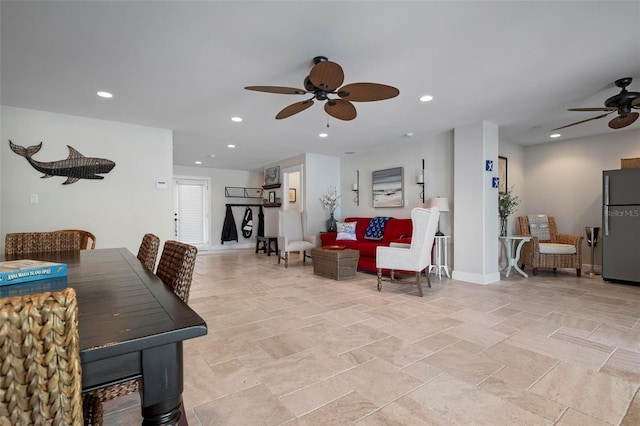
443	205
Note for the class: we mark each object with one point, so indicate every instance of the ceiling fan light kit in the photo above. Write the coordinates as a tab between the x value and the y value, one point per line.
623	103
324	80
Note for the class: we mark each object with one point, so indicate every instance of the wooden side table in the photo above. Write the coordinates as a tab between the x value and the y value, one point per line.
269	245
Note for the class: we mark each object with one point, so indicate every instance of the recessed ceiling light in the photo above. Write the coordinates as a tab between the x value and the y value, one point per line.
555	135
231	145
408	135
426	98
212	155
236	119
104	94
198	162
323	135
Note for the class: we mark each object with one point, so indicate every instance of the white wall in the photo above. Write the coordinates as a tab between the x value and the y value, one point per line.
564	179
220	178
437	151
118	209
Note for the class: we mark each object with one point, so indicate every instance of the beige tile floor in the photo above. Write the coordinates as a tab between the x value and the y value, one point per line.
286	347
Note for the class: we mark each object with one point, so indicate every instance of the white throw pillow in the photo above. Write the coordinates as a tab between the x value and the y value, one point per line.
346	231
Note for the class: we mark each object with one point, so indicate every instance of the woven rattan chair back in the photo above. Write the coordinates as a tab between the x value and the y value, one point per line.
148	251
85	236
176	265
41	242
41	381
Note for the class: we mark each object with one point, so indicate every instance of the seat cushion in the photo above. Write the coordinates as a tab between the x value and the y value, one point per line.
555	248
299	246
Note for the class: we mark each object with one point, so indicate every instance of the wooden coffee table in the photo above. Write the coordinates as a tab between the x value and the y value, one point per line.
336	264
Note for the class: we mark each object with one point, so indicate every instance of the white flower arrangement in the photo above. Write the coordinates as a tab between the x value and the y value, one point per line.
331	200
507	203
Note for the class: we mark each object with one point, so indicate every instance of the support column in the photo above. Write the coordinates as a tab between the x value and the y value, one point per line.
476	247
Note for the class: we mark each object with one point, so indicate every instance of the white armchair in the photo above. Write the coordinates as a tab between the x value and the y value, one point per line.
291	236
415	258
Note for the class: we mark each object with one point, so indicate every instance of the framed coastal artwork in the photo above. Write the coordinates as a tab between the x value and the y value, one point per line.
502	174
272	175
388	189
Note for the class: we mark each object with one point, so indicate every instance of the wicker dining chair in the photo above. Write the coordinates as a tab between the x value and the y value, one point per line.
41	380
148	251
41	242
85	236
176	266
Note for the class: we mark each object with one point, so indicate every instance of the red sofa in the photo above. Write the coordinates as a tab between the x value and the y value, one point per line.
395	230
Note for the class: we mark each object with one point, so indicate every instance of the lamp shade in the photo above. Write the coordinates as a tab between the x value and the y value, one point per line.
441	203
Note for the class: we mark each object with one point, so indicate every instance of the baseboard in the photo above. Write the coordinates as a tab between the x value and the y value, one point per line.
476	278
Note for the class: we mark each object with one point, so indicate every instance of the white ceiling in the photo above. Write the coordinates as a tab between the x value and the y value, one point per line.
183	65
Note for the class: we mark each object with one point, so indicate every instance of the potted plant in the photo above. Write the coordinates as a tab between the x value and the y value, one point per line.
507	203
330	202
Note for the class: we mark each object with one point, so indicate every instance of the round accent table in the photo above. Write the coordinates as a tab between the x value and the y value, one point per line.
508	243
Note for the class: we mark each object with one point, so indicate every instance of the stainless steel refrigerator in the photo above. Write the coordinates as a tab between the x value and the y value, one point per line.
621	225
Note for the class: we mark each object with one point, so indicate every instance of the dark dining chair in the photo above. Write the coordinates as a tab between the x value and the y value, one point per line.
176	266
41	242
148	251
85	236
41	381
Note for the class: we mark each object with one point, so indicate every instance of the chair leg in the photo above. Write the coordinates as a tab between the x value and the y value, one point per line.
428	278
379	279
286	259
304	257
579	272
535	271
279	257
418	283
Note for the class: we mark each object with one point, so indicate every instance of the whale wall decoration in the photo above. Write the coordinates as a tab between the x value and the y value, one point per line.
75	167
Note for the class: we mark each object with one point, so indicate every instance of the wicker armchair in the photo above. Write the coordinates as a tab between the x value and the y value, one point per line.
561	251
85	236
41	242
41	380
148	251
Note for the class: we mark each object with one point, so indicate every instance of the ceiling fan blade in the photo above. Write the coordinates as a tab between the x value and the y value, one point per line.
636	102
620	121
593	109
367	92
340	109
326	75
583	121
294	109
277	89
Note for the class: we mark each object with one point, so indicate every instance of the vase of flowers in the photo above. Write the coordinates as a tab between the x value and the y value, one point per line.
330	202
507	203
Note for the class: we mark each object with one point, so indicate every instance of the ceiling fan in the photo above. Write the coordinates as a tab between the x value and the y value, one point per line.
323	80
623	102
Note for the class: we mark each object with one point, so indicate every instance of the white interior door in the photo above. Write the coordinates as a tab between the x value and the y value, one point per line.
191	207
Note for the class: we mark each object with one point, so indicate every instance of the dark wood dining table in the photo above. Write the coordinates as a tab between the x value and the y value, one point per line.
130	325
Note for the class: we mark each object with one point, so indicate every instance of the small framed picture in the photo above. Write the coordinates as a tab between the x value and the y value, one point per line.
272	197
502	174
292	195
272	175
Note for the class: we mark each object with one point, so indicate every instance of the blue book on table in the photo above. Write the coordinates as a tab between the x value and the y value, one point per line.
25	270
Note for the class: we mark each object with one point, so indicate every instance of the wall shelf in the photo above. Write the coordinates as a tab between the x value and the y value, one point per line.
242	192
271	186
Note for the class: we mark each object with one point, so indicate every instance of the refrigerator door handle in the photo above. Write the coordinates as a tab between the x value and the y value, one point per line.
606	189
606	219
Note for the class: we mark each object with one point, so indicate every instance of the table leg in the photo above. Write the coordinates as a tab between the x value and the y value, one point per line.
517	257
162	385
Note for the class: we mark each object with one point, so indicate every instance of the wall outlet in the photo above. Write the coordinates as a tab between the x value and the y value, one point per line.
34	198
